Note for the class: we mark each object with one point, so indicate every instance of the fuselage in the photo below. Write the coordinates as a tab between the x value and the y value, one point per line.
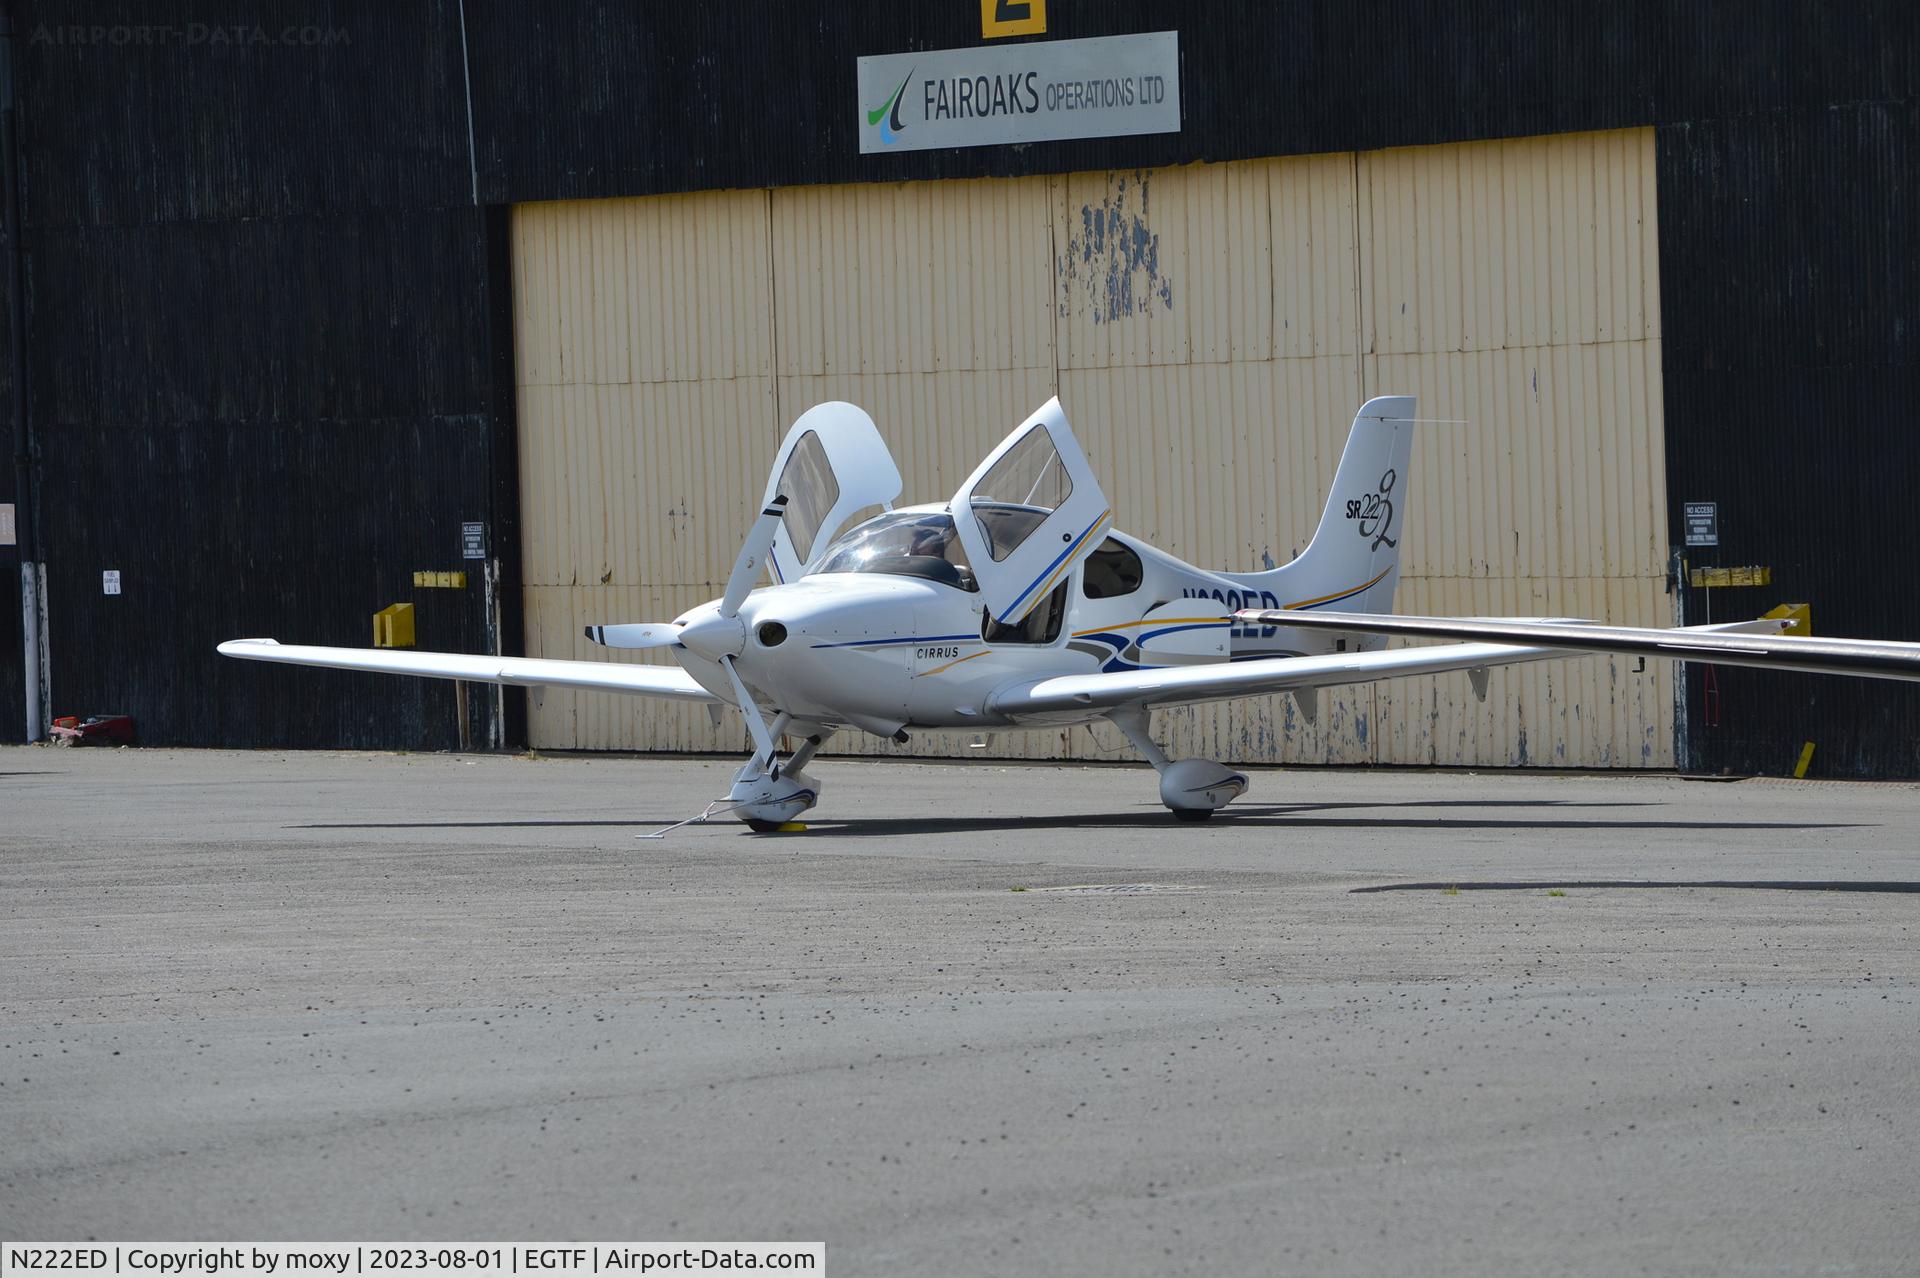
904	642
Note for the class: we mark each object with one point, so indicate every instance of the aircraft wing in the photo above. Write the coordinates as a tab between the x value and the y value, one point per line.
1075	695
526	672
1722	645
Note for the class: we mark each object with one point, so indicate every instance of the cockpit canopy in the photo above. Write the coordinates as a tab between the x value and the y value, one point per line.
924	544
908	543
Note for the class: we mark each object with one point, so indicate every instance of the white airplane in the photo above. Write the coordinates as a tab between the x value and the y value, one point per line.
1015	605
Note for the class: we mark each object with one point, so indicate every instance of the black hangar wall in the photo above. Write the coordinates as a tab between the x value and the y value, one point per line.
1792	307
262	359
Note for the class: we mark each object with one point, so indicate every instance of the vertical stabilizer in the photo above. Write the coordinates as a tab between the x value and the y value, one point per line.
1353	562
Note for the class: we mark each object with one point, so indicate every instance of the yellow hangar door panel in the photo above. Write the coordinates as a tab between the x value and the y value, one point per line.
1515	286
929	304
1210	363
643	343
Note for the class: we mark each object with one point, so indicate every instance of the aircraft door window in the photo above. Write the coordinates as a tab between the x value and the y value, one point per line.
1112	571
809	486
1030	480
1041	626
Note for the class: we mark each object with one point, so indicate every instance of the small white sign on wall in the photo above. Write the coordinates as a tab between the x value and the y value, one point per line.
1703	523
110	582
7	535
1102	87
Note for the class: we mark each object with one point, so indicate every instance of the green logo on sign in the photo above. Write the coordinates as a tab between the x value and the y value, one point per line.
889	112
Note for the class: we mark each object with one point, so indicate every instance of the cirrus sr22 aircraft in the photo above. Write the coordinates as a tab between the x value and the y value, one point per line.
1016	604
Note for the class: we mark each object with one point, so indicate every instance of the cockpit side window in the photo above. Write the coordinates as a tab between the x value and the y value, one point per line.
1112	571
1042	625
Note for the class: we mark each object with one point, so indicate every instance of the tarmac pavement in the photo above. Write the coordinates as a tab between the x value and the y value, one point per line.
979	1019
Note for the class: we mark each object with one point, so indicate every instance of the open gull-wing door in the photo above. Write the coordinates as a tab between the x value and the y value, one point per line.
831	464
1030	513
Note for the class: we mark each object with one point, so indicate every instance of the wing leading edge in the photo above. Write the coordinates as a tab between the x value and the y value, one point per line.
1074	696
1759	644
526	672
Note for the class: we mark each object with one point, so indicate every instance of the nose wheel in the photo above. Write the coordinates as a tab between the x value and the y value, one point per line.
768	796
767	802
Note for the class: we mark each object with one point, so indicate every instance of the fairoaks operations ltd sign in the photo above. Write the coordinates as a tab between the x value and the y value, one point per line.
1098	88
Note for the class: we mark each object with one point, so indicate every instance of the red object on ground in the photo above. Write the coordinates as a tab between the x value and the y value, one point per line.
95	729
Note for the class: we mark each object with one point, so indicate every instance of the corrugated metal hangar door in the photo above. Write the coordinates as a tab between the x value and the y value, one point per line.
1210	330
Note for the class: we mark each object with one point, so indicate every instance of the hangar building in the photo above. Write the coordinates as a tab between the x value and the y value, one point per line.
301	311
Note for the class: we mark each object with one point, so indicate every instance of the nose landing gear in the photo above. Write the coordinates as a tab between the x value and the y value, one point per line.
768	796
766	802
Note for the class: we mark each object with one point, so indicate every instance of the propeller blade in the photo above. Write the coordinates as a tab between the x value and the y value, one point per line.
644	634
757	726
753	553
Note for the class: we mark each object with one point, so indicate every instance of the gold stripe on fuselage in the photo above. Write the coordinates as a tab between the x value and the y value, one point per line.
1338	594
951	664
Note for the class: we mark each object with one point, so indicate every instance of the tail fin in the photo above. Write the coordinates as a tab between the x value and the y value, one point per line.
1353	562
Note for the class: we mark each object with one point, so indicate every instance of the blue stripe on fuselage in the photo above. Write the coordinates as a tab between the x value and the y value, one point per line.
882	643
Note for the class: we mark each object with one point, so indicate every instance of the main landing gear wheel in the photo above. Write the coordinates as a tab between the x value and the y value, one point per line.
1194	789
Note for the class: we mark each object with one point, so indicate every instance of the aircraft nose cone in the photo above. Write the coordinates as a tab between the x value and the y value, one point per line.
714	636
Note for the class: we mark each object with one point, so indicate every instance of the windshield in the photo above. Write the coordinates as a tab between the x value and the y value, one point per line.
912	545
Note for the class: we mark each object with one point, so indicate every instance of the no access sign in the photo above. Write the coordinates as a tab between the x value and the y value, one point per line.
1703	523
